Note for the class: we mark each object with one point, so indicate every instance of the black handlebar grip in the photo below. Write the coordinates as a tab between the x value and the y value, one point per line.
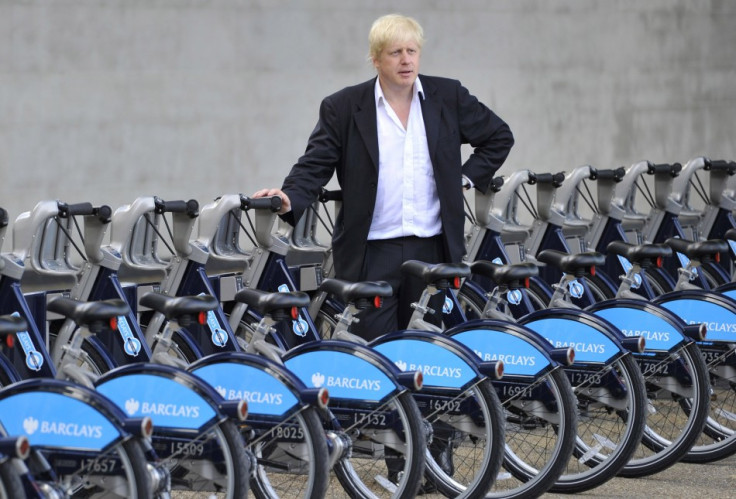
272	203
664	169
103	213
616	175
496	184
190	208
720	165
3	217
326	195
71	210
555	179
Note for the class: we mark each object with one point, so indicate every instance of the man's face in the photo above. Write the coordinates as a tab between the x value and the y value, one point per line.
398	65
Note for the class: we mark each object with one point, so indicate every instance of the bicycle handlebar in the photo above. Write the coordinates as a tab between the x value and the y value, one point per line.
326	195
610	174
496	184
721	165
103	212
555	179
271	203
190	208
664	169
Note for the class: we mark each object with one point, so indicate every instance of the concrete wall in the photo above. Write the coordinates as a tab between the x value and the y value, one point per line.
108	100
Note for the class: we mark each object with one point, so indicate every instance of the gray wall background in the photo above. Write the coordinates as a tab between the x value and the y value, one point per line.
108	100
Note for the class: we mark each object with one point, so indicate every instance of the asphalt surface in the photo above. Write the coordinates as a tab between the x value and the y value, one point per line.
683	480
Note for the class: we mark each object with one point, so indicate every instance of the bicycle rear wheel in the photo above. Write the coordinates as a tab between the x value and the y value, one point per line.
541	420
678	396
465	453
121	471
291	457
718	439
11	486
610	425
214	461
388	447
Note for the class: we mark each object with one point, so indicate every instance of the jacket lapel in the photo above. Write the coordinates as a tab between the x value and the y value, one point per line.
365	121
431	110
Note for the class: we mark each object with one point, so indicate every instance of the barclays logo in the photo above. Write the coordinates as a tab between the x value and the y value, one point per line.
319	380
159	409
32	425
131	406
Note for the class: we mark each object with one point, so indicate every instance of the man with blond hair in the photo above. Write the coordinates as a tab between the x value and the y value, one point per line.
395	144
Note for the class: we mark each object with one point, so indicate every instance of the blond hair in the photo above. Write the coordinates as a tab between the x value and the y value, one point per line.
393	28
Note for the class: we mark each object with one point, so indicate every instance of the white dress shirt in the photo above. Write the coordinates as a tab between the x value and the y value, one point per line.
406	198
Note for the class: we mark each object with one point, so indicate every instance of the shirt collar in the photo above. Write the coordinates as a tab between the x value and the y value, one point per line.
417	90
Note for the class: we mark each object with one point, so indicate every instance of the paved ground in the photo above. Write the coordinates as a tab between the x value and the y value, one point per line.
704	481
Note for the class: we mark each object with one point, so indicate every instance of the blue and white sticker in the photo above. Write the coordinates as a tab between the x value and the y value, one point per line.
264	393
514	296
720	321
576	289
448	305
298	325
34	359
345	375
219	335
590	344
131	344
520	356
659	334
626	265
439	366
51	419
168	403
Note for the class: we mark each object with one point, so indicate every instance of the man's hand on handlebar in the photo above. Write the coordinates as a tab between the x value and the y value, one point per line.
285	203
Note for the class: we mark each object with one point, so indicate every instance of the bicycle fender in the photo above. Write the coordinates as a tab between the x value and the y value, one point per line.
444	362
661	328
716	311
57	414
594	339
269	388
523	351
349	371
172	398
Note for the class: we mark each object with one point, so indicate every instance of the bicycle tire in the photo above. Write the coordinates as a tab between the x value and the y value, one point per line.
536	449
618	430
132	479
464	456
718	439
377	467
294	463
466	428
228	473
11	485
674	422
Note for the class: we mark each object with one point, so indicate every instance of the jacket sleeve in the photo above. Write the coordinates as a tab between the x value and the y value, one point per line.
488	135
316	167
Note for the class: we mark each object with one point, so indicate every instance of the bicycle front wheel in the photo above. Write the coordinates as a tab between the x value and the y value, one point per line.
11	485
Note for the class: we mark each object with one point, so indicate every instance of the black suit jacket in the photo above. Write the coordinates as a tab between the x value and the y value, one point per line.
345	142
